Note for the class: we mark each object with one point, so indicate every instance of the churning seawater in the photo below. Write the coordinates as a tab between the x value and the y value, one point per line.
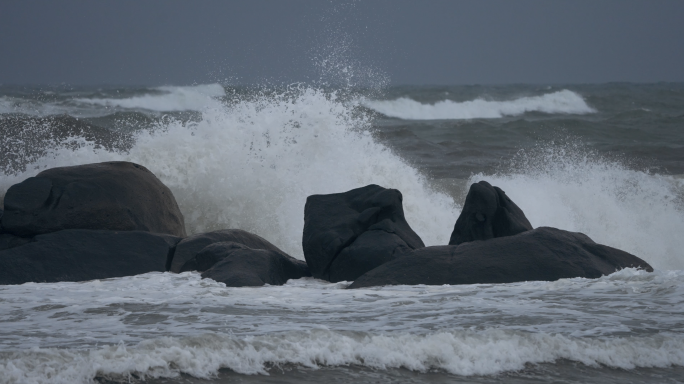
605	160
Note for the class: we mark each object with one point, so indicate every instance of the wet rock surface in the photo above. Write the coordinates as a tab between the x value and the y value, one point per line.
188	248
488	213
119	196
80	255
544	253
348	234
237	265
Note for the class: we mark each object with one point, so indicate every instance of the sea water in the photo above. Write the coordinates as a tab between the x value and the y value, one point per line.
606	160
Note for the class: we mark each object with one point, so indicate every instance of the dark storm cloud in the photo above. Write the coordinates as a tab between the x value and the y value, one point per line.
417	42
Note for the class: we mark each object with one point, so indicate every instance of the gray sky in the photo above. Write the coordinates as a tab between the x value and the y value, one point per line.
410	42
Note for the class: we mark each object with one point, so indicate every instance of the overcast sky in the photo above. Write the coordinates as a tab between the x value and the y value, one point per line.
407	42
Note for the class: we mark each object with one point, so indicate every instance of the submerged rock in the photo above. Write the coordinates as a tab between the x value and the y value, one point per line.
348	234
188	248
118	196
544	253
237	265
488	213
80	255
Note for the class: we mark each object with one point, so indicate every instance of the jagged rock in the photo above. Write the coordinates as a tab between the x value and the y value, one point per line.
348	234
79	255
188	248
544	253
237	265
118	196
487	214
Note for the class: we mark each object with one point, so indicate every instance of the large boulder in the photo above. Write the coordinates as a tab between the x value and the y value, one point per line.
544	253
237	265
79	255
348	234
188	248
119	196
8	241
488	213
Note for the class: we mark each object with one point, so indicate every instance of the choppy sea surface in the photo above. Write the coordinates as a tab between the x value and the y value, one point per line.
606	160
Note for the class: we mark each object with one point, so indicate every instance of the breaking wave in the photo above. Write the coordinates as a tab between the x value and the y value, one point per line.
457	352
564	101
565	186
167	99
251	165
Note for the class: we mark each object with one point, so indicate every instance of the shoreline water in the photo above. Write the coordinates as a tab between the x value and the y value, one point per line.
249	162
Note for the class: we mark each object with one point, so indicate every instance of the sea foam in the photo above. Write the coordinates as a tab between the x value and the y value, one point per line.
564	101
565	186
251	165
457	352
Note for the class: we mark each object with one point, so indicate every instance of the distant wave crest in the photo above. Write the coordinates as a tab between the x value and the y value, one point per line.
168	98
563	101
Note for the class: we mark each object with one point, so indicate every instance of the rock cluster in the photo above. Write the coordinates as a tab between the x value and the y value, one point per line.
117	219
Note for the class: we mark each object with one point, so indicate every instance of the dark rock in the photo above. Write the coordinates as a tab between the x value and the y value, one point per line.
237	265
119	196
213	253
348	234
8	241
487	214
183	258
544	253
79	255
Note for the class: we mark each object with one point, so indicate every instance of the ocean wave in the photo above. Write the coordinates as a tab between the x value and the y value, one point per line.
459	352
564	101
252	164
565	186
167	99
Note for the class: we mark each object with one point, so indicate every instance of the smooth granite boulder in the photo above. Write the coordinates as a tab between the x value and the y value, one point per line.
544	253
8	241
80	254
118	196
188	248
237	265
487	214
348	234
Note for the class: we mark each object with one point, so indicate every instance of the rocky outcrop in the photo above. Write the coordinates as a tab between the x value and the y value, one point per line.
79	255
544	253
348	234
487	214
188	248
118	196
237	265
